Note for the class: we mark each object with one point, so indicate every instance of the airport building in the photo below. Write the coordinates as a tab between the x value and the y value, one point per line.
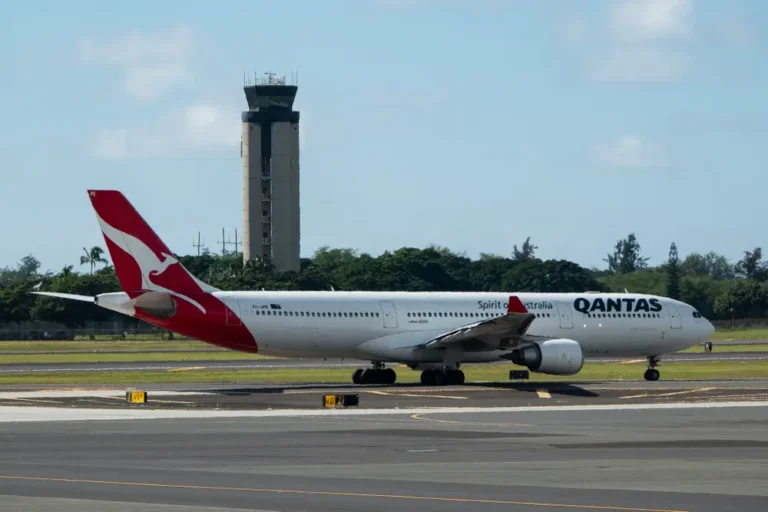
270	156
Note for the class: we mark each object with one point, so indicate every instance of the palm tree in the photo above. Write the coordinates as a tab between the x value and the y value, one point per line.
93	257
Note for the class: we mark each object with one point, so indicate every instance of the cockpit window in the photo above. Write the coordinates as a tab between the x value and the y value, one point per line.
696	314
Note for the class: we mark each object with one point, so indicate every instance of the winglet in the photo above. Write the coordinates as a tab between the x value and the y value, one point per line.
515	305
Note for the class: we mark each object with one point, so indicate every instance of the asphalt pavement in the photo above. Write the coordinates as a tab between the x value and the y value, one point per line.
702	459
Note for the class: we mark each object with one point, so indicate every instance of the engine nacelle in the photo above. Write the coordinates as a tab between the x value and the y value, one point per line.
555	357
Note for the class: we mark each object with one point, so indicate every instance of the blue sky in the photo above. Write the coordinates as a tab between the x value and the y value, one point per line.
468	124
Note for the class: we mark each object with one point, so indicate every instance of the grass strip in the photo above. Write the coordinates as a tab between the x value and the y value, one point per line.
474	373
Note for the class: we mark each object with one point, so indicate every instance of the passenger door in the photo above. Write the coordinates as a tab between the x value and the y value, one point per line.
564	311
674	316
390	315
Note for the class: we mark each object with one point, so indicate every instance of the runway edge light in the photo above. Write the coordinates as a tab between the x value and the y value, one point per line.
136	397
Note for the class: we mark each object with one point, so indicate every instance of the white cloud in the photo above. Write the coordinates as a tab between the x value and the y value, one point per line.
629	151
651	19
209	126
146	83
642	41
649	40
149	64
110	144
191	129
631	64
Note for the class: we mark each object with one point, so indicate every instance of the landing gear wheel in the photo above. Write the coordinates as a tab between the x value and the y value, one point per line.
389	376
374	376
454	377
428	378
651	374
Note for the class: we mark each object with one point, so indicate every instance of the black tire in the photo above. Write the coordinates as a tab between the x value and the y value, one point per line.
389	376
708	346
454	377
652	374
439	378
357	376
428	378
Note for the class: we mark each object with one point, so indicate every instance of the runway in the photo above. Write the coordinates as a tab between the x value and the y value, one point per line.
306	363
705	457
274	397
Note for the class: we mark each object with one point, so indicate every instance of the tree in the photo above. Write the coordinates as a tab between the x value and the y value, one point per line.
526	252
626	256
751	265
672	269
93	257
549	276
711	264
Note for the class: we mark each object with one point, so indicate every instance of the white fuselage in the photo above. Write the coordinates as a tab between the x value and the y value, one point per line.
372	325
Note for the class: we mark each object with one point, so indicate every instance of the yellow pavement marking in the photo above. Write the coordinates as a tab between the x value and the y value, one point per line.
338	493
654	395
633	361
543	393
187	369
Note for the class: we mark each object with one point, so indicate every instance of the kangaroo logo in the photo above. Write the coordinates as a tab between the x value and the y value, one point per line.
148	262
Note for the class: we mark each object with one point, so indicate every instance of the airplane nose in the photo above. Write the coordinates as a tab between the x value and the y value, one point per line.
710	328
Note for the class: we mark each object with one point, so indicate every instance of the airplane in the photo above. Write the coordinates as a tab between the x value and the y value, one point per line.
432	332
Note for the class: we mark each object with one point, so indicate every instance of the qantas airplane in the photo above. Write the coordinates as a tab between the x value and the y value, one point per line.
433	332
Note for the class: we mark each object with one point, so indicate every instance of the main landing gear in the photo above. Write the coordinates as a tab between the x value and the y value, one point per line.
652	373
442	377
376	375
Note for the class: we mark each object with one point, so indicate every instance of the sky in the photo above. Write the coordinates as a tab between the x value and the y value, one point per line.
470	124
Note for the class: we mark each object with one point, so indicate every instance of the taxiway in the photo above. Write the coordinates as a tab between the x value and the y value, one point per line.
700	457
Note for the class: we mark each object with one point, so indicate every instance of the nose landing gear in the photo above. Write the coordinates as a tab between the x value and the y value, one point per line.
652	373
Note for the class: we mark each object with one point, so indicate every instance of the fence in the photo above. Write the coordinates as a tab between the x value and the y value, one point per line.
117	330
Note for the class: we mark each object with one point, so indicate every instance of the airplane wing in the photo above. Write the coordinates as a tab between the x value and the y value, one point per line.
497	332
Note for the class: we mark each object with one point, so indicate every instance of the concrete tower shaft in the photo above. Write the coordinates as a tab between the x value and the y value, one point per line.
270	156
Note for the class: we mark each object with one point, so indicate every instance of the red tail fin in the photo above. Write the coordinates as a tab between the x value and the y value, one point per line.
142	261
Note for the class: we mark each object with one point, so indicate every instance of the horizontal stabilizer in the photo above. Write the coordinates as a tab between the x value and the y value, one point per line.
83	298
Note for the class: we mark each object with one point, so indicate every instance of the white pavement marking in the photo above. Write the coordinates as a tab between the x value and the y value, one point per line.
674	393
10	414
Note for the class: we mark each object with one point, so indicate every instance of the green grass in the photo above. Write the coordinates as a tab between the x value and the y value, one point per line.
740	334
478	373
138	357
227	355
729	348
105	346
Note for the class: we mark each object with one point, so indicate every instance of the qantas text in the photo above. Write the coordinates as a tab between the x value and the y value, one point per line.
583	305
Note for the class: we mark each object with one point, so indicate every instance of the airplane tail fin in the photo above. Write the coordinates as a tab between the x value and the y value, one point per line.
142	260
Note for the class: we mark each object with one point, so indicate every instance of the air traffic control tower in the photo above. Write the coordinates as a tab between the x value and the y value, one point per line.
270	155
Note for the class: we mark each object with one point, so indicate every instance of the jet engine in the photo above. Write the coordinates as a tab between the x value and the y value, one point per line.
555	357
